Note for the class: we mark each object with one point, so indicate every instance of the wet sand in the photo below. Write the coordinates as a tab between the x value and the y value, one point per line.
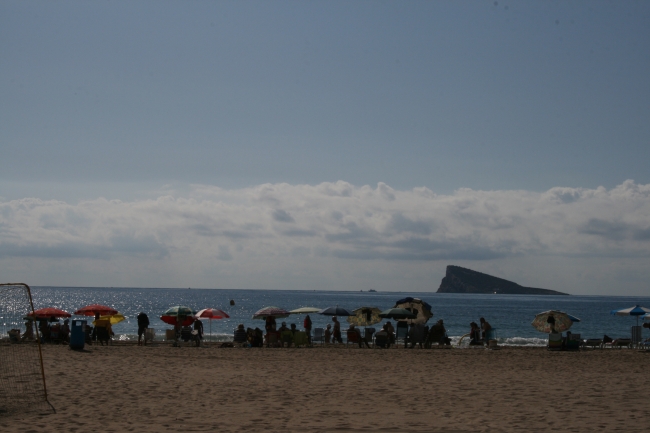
161	388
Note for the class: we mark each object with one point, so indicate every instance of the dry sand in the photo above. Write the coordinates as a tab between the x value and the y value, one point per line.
164	388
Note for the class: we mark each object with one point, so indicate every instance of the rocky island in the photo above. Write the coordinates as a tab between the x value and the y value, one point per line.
463	280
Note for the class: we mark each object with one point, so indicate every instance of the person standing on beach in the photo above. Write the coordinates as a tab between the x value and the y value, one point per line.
336	333
143	324
485	328
307	325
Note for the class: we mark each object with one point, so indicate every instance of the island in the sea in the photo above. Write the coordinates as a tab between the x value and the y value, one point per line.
463	280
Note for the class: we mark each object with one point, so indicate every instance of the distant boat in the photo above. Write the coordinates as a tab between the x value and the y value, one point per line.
372	290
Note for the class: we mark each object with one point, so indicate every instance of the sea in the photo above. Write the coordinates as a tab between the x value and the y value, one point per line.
511	315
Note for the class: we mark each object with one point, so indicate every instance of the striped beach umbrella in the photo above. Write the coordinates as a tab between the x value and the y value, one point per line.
181	313
632	311
265	312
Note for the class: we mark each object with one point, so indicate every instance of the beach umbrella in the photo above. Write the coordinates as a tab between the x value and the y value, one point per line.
172	315
573	318
265	312
305	310
114	319
632	311
421	309
211	314
365	316
335	311
91	310
49	312
397	314
561	321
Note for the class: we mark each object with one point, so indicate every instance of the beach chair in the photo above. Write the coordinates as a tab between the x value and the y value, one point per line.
573	342
353	337
299	338
188	335
319	335
101	328
554	341
621	342
401	333
381	340
286	337
149	335
636	336
593	343
272	339
14	335
368	335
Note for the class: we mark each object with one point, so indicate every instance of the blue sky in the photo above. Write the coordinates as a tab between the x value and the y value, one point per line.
113	106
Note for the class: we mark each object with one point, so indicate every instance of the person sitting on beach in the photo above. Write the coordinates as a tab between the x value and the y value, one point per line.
357	331
390	330
293	328
44	330
485	328
381	338
438	334
474	334
240	334
64	332
283	327
29	331
336	332
328	334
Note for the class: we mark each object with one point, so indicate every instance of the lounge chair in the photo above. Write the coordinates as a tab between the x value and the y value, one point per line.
286	337
149	335
353	338
573	342
319	335
554	341
401	333
299	338
622	342
368	334
593	342
272	339
101	328
381	339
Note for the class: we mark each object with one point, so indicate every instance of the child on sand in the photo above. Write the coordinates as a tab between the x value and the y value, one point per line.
328	334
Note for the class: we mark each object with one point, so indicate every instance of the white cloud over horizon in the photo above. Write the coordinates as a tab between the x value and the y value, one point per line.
335	236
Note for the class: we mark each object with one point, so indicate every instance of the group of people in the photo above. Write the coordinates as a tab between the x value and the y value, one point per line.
479	335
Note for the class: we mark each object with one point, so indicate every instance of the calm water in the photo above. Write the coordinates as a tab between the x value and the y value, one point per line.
511	315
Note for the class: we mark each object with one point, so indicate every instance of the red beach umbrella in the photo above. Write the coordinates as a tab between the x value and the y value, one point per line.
46	313
91	310
212	314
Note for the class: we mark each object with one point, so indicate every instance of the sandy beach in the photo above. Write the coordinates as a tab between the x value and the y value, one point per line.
162	388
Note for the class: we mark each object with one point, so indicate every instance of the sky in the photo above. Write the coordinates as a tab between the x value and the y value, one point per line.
329	145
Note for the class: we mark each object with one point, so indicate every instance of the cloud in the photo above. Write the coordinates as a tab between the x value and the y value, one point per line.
330	221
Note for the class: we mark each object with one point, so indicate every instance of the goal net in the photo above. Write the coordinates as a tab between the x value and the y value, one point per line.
22	378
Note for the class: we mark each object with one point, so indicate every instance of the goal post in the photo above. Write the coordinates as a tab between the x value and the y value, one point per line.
22	376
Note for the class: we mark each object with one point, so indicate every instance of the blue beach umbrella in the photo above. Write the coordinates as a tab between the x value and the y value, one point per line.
632	311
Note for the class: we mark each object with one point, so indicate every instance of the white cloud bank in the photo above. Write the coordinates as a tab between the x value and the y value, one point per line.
334	236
